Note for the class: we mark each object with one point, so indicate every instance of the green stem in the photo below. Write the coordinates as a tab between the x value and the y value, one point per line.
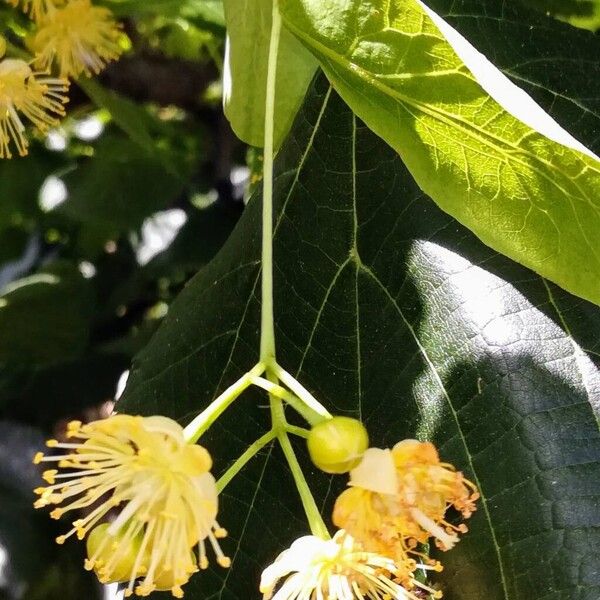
207	417
300	391
240	463
299	431
315	521
267	328
310	416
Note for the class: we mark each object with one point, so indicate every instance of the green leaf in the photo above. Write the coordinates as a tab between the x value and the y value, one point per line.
66	389
120	186
581	13
389	310
553	62
22	180
209	11
130	117
44	318
248	32
523	194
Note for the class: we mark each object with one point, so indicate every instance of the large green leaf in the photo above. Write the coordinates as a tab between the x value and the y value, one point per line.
249	31
555	63
525	195
388	309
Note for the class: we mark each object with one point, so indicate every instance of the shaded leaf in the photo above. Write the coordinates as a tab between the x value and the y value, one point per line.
522	193
581	13
21	183
389	310
44	318
203	234
132	119
119	187
67	390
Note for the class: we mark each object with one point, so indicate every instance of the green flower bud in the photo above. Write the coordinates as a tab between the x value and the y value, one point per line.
112	557
337	445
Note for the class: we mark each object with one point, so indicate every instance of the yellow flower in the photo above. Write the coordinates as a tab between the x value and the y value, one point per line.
398	498
36	9
159	486
80	37
30	93
337	569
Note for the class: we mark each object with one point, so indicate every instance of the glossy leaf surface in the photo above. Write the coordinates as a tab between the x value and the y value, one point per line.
389	310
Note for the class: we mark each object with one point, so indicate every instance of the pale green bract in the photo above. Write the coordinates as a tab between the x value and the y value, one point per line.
523	194
249	29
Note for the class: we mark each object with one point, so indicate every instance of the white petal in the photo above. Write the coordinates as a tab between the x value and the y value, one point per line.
376	472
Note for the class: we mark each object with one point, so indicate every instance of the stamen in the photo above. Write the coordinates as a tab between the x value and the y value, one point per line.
447	541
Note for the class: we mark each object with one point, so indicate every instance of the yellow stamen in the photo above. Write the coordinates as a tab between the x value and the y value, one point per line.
80	37
394	522
165	497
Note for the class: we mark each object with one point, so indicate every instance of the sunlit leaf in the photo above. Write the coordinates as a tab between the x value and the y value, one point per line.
553	62
249	32
529	197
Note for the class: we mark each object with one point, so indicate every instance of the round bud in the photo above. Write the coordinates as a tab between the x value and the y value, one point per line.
110	556
337	445
165	579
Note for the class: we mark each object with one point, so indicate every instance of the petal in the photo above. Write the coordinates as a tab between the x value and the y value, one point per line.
376	472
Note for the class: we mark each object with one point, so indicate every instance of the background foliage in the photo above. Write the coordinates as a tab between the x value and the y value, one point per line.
386	307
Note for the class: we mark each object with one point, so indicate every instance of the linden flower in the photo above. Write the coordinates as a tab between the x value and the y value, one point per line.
398	498
80	37
160	486
337	569
36	9
30	93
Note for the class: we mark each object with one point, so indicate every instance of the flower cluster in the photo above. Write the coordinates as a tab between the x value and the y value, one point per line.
396	501
69	37
142	495
157	489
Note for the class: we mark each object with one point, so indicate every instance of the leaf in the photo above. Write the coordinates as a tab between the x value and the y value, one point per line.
536	52
523	194
21	183
132	119
245	81
119	187
197	242
581	13
209	11
44	318
66	390
389	310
